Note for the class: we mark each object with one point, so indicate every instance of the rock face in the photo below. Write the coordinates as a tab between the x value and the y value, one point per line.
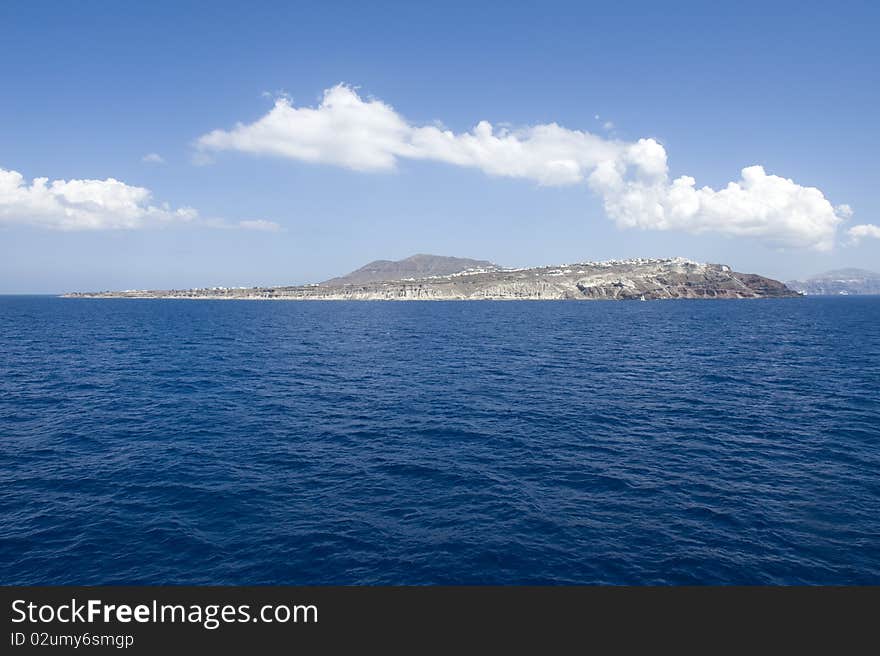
415	266
635	279
839	282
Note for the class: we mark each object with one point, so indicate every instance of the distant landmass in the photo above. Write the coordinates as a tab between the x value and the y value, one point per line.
415	266
839	282
430	277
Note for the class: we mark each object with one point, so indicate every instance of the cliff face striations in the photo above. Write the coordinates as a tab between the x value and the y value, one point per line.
635	279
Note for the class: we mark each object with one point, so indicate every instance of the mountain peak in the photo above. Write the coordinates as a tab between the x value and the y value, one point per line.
420	265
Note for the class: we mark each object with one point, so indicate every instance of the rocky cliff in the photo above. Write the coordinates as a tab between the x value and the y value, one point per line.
635	279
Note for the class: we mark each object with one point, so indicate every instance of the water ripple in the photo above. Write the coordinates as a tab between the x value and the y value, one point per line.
247	442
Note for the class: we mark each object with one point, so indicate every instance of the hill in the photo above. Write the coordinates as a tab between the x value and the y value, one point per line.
415	266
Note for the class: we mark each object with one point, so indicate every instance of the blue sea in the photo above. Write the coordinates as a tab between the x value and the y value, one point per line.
247	442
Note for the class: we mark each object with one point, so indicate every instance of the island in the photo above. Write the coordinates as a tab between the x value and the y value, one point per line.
437	278
839	282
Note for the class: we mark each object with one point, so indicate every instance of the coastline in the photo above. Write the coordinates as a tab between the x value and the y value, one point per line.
636	279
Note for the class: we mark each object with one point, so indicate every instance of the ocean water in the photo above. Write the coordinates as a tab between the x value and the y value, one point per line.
238	442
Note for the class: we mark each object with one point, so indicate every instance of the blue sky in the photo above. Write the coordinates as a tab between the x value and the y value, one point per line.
89	89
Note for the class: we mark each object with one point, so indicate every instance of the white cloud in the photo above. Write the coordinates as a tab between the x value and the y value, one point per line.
859	232
153	158
259	224
82	204
368	135
608	125
94	205
759	205
631	177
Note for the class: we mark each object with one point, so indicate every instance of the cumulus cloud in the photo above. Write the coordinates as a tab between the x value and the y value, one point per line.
632	178
91	205
369	135
82	204
153	158
758	205
859	232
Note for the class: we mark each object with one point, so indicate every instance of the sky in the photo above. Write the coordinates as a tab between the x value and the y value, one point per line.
175	145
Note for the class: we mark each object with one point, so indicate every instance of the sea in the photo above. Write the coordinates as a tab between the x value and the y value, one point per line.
535	442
